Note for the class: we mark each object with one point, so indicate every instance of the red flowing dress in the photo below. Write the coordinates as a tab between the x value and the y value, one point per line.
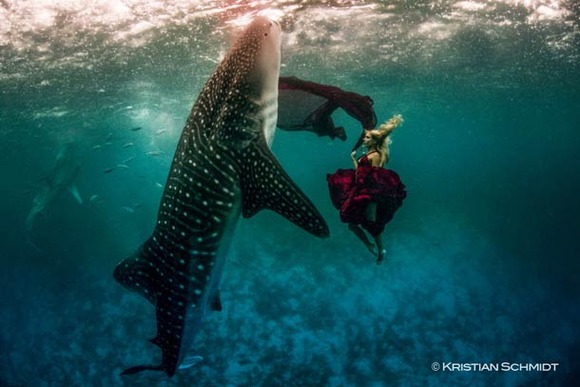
352	192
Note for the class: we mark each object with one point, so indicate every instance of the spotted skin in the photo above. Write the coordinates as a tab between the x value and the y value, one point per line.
222	168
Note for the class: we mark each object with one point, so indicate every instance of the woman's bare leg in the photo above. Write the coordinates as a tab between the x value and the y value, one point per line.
359	232
381	252
371	212
371	216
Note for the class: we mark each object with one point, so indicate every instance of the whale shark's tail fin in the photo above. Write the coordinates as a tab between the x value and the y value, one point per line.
189	361
141	368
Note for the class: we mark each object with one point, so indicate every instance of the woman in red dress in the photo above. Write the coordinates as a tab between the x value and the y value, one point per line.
368	195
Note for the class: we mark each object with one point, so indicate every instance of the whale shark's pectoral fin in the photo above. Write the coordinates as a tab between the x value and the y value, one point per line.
266	185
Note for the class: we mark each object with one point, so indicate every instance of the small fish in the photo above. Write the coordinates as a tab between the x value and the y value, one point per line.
136	129
160	131
127	145
210	59
96	147
154	153
96	199
109	137
122	166
190	361
159	185
129	209
129	160
108	170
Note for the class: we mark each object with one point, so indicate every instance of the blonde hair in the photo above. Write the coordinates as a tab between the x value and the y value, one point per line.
382	135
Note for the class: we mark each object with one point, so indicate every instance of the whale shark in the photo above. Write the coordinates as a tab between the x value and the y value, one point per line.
222	169
61	178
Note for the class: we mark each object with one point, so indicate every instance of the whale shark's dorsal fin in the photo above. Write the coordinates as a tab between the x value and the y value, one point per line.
266	185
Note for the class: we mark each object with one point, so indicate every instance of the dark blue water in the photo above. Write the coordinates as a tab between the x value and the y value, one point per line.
482	266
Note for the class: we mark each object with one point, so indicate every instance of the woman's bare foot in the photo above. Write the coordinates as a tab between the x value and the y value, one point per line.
381	256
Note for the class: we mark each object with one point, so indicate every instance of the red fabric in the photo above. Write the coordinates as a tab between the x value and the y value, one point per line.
373	184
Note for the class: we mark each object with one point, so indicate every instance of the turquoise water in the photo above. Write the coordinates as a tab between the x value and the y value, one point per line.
482	258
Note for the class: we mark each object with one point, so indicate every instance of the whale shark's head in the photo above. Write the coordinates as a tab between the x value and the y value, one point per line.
256	56
248	75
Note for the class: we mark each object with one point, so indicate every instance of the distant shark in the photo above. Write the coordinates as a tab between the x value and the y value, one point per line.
62	177
222	167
